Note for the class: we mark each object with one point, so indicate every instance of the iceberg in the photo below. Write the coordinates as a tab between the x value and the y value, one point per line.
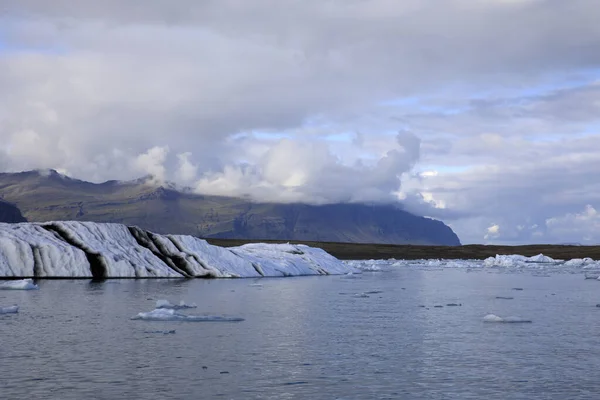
516	260
168	305
21	284
495	318
69	249
163	314
9	310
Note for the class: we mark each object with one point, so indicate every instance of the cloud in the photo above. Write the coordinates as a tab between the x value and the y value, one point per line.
152	163
186	171
583	227
302	171
492	232
496	101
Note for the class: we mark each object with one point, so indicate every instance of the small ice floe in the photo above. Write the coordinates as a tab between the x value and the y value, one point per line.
21	284
9	310
504	298
168	305
374	292
454	305
361	296
495	318
438	306
169	332
592	276
517	288
255	285
164	314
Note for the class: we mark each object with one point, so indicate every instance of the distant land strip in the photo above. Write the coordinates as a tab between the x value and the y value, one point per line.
361	251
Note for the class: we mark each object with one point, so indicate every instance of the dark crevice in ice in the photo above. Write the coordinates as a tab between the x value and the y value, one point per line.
98	266
37	261
210	273
173	261
258	269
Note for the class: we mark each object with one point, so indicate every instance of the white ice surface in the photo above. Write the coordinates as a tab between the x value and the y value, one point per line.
123	256
63	249
9	310
21	284
512	260
539	265
495	318
163	314
30	250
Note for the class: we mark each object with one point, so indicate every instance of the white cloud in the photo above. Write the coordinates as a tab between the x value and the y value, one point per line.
492	232
583	227
152	163
186	171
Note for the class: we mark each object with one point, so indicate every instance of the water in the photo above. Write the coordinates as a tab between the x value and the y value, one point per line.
307	338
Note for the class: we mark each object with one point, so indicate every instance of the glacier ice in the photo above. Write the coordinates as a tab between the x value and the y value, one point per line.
514	260
21	284
9	310
539	265
103	250
168	305
164	314
495	318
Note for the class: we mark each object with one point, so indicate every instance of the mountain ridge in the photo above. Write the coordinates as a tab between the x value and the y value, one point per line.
48	195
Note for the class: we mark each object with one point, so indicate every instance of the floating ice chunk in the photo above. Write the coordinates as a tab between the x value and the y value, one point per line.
579	262
495	318
592	276
21	284
168	305
504	297
361	296
163	314
515	260
9	310
169	332
540	258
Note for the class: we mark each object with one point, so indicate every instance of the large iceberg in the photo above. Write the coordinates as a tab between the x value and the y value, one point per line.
99	250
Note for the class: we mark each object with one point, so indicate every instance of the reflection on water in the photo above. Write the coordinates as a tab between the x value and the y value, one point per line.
307	338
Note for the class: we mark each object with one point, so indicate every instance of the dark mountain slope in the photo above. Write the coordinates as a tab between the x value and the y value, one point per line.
51	196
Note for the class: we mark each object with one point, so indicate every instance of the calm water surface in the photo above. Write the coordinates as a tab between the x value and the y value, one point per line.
307	338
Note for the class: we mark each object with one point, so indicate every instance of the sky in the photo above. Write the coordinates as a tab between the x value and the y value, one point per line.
484	114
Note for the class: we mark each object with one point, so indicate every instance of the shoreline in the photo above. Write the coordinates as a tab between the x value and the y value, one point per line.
367	251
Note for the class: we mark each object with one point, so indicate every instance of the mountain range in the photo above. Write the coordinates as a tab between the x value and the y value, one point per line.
50	196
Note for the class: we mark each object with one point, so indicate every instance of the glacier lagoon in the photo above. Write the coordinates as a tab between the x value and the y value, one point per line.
397	330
